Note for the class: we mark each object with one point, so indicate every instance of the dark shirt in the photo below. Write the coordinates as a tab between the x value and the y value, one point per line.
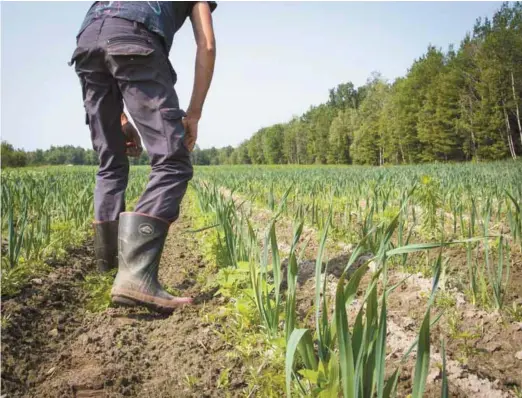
161	17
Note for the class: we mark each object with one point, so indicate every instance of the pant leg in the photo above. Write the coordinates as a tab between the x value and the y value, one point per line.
103	105
139	62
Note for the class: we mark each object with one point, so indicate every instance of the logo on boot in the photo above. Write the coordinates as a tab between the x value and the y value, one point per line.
145	229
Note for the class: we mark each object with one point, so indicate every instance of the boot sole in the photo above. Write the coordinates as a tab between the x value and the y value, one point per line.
125	298
123	301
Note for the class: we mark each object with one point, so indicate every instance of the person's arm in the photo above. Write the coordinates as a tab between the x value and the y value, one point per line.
201	19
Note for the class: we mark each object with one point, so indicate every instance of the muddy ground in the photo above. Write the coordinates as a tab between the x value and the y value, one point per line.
53	347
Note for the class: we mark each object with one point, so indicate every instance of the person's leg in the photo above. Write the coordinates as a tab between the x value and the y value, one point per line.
141	66
139	63
103	106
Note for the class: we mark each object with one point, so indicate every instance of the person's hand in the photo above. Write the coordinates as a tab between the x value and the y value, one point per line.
190	124
133	146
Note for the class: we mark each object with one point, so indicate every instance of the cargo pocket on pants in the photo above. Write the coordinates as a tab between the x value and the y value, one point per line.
174	130
77	55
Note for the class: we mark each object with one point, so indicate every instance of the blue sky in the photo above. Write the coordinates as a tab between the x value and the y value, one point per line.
274	60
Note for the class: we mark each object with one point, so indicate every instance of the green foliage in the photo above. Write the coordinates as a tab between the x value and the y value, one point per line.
361	360
11	157
386	211
98	287
46	211
367	146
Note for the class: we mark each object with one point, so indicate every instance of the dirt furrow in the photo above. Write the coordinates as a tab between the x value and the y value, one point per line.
53	347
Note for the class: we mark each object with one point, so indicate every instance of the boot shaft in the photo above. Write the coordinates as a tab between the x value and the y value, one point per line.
106	245
140	244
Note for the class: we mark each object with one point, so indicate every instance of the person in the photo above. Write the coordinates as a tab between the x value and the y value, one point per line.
121	57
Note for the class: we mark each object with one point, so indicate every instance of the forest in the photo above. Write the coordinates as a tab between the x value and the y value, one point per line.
462	104
459	105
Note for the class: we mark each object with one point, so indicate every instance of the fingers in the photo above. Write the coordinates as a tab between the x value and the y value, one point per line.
190	140
132	149
133	152
190	143
133	146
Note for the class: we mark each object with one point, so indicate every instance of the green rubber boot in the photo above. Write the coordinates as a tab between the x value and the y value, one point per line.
106	245
141	240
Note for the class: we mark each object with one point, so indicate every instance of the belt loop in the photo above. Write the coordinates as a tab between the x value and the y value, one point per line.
136	27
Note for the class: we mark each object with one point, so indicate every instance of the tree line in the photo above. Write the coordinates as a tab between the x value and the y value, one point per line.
457	105
462	104
55	155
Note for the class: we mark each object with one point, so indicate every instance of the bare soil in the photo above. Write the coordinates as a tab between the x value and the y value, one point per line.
53	347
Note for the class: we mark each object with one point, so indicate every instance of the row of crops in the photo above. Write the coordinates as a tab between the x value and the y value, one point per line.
332	357
434	203
397	214
460	195
44	212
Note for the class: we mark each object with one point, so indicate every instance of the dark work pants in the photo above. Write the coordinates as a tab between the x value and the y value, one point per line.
119	60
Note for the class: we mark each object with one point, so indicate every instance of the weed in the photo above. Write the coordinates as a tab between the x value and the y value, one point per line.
98	287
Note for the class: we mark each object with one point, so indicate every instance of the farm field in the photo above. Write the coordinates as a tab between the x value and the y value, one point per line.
310	281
